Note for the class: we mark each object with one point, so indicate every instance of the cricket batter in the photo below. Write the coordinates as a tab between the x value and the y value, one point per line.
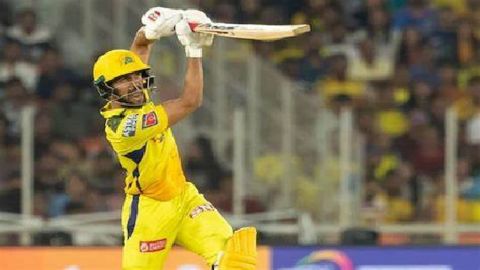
161	207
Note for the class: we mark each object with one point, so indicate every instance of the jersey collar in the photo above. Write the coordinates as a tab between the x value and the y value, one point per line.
108	112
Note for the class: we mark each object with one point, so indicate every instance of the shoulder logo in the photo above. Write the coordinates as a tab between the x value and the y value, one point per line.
114	122
149	119
130	125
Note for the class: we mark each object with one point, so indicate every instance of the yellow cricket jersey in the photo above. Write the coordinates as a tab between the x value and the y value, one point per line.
146	149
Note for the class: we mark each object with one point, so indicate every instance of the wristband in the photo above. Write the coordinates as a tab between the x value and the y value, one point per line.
193	52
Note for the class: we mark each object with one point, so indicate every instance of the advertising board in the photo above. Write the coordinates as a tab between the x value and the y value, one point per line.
79	258
376	258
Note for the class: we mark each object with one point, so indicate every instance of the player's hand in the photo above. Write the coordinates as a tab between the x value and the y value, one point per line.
192	41
160	22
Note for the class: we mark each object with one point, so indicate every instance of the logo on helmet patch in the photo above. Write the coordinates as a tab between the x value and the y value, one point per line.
127	60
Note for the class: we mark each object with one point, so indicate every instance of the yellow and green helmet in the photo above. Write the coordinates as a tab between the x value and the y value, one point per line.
114	64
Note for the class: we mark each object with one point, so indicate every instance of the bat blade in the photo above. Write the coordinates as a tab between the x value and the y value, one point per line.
251	31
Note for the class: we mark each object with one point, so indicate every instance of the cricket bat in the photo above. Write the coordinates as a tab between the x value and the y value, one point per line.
251	31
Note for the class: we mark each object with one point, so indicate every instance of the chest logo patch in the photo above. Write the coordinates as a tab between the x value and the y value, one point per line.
149	119
130	125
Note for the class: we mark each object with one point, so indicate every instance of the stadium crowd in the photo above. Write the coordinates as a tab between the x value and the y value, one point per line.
399	63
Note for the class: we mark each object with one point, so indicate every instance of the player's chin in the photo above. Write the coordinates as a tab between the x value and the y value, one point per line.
137	99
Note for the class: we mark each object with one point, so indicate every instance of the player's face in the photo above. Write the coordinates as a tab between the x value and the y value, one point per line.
130	87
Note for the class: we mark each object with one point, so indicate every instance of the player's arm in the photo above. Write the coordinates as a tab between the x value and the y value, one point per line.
141	45
192	94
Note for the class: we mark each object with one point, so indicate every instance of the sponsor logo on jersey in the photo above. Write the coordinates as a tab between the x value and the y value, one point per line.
149	119
200	209
130	125
153	246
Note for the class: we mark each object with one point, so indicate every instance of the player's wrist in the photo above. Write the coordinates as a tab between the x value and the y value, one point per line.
193	52
143	36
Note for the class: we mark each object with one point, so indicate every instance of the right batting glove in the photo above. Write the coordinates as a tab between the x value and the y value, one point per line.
192	41
160	22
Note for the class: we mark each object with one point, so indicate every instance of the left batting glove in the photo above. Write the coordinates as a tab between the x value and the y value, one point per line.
192	41
160	22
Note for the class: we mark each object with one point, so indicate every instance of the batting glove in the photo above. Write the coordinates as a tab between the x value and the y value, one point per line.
160	22
192	41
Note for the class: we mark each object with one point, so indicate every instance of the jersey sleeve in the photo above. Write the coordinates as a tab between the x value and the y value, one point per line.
137	128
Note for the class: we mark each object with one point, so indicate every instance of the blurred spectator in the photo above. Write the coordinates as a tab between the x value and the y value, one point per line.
5	16
471	104
70	199
15	98
444	38
448	86
114	198
43	133
69	115
438	108
225	12
379	28
424	68
399	207
69	154
428	157
375	205
11	158
471	190
272	15
416	14
312	67
410	46
33	37
10	192
222	198
390	119
336	88
249	11
101	169
53	72
336	40
458	6
312	13
202	167
332	15
367	62
467	43
13	66
47	177
364	13
419	100
5	138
